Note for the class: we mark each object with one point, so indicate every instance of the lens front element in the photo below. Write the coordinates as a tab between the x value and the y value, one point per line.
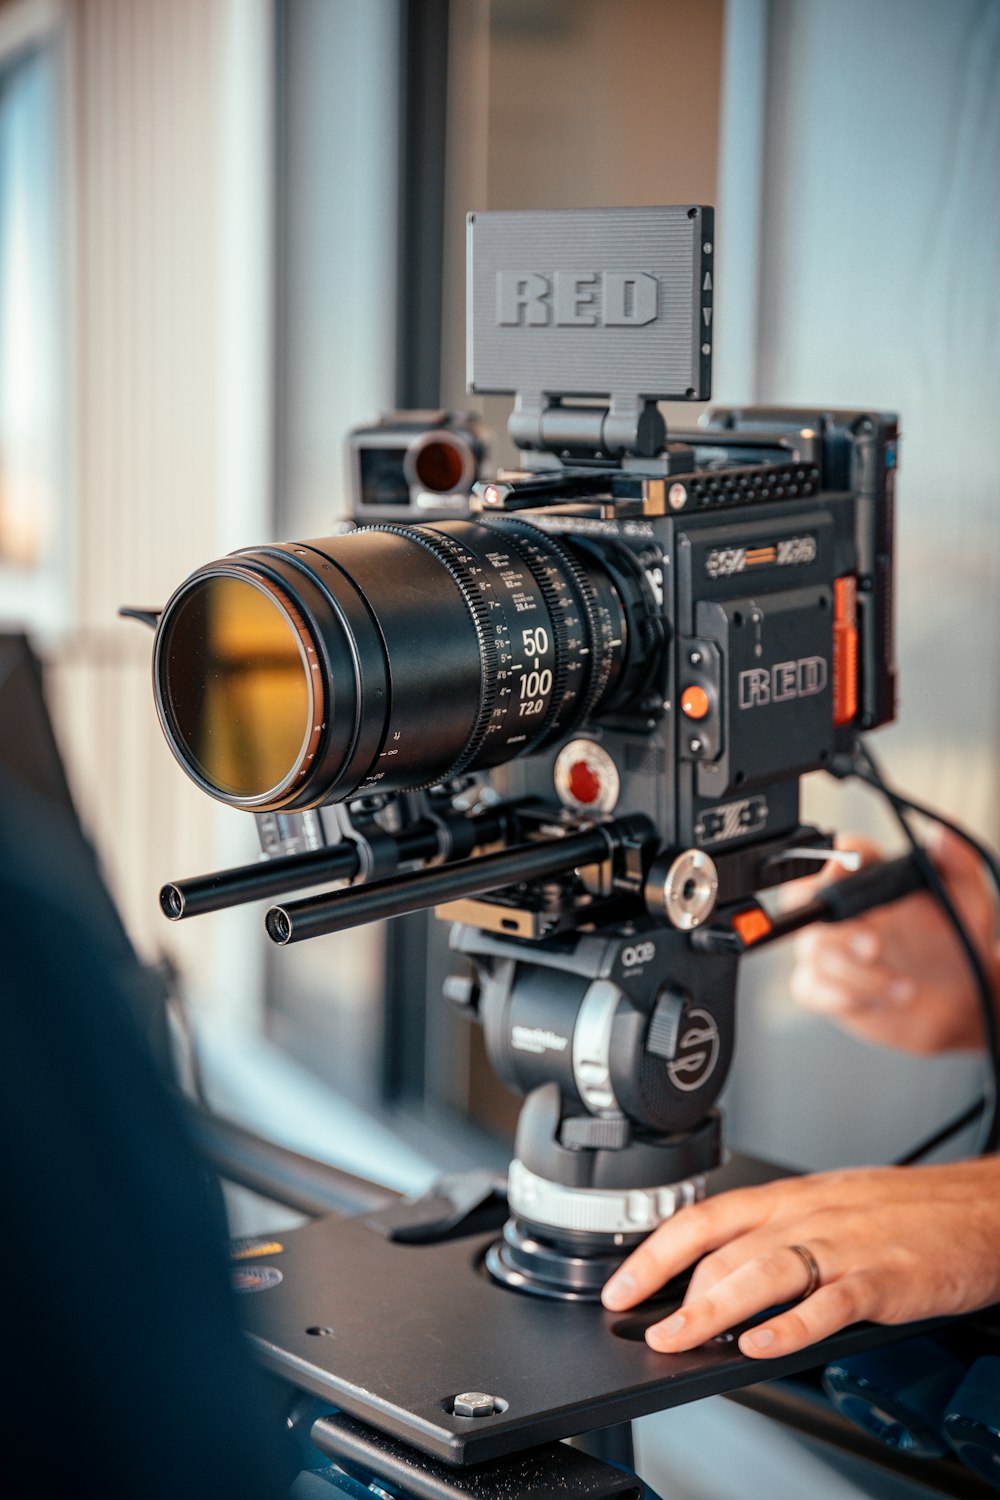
238	692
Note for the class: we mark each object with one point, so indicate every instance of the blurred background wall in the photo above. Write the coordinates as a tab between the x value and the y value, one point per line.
878	229
232	229
136	265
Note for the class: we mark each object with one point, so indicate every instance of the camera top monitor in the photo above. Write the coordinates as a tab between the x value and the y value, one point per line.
608	302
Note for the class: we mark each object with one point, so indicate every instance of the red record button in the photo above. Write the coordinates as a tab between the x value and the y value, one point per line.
584	782
694	702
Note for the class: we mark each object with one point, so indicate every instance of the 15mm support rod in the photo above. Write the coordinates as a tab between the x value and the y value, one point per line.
317	915
291	872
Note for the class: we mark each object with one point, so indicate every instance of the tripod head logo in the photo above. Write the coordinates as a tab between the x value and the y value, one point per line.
697	1052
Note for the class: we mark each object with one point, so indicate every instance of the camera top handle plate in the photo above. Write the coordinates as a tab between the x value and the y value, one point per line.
612	303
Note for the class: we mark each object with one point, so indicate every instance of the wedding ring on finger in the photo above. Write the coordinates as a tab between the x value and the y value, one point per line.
812	1269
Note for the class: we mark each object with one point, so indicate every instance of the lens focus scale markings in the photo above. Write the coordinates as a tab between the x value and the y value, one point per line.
565	620
519	663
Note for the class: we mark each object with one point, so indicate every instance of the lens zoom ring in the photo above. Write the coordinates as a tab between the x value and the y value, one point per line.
442	548
517	529
599	667
600	640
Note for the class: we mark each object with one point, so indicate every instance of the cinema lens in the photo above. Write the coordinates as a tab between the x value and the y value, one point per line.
395	657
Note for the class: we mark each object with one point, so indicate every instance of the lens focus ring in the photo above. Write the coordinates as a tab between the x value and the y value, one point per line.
460	564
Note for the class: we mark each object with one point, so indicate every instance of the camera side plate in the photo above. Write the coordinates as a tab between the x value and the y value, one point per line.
400	1329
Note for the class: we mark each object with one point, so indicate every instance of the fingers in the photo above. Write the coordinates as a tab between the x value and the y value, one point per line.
682	1240
860	939
829	1309
855	843
771	1277
768	1278
965	875
836	973
713	1268
954	858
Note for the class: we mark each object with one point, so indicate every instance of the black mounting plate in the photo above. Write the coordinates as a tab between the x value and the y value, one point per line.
390	1332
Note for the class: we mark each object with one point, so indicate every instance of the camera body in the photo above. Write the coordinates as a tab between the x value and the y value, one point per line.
765	615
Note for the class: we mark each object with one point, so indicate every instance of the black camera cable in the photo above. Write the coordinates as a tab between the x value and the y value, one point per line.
866	768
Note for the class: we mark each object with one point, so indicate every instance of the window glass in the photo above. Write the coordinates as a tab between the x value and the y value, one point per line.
30	390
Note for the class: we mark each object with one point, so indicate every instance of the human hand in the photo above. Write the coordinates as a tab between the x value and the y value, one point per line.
897	976
892	1244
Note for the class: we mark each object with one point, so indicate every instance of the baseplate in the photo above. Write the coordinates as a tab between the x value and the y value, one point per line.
391	1332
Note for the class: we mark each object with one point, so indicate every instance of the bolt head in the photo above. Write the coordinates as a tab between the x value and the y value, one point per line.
473	1404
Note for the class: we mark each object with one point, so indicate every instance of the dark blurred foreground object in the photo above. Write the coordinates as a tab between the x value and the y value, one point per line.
28	749
972	1422
925	1397
127	1372
29	756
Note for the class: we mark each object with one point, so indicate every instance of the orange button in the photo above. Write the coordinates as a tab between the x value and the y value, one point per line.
694	702
751	925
